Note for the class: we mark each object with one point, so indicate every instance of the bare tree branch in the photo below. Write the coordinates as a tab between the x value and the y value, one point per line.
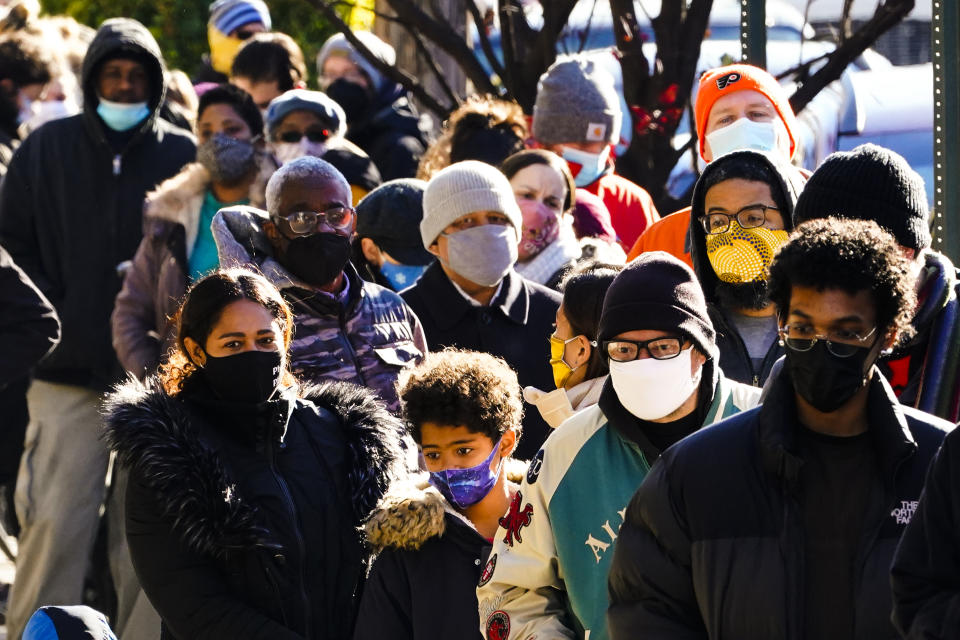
484	39
846	26
586	31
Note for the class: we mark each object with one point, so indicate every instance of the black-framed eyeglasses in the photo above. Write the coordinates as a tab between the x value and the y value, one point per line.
305	223
313	135
750	217
840	342
663	348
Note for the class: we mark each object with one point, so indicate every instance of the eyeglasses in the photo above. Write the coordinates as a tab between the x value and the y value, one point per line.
750	217
305	223
659	348
245	35
841	343
313	135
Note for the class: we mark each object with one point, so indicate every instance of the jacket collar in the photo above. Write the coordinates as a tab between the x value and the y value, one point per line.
447	306
939	279
777	426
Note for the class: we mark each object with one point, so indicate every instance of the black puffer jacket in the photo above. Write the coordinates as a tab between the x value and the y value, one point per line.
71	203
712	543
243	522
391	136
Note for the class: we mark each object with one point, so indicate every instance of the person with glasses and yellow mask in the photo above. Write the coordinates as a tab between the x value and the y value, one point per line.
554	546
742	212
782	522
346	328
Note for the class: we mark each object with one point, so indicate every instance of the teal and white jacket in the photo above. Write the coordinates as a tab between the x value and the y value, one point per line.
547	573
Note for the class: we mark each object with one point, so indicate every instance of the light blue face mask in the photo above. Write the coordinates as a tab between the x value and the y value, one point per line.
122	116
592	165
401	276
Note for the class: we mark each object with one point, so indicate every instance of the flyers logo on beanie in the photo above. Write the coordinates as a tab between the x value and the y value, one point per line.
730	78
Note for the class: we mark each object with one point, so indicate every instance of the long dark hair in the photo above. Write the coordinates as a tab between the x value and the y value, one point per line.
583	291
523	159
202	308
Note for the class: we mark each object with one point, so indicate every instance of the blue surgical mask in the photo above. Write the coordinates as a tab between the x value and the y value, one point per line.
122	116
401	276
592	165
746	134
466	487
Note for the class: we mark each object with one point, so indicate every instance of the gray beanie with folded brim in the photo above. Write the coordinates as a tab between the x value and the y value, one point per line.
338	45
462	188
576	102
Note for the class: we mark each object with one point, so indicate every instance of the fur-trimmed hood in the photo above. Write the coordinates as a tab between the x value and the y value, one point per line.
178	200
413	511
154	432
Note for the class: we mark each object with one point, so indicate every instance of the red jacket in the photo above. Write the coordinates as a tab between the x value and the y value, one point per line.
631	207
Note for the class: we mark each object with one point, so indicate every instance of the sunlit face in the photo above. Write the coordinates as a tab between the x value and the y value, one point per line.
542	183
243	326
301	122
336	67
222	118
734	195
468	221
122	80
643	335
457	447
745	103
262	92
834	313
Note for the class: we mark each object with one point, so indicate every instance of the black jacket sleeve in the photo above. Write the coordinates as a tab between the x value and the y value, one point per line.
926	567
29	328
186	590
651	583
385	607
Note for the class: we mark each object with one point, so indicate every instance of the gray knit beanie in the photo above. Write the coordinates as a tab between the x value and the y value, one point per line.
463	188
576	102
338	45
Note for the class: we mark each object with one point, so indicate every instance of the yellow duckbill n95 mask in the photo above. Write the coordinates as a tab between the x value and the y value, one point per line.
743	255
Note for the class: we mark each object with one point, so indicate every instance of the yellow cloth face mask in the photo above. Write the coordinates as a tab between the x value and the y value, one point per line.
223	49
561	370
742	255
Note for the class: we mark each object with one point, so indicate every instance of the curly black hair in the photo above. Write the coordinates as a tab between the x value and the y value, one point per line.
469	388
852	256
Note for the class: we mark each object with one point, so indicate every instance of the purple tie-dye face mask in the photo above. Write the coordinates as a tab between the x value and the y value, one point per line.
466	487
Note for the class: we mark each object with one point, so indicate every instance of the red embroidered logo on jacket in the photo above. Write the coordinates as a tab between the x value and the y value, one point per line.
516	519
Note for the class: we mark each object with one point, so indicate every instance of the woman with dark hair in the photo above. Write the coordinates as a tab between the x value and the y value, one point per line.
579	367
177	246
545	190
245	490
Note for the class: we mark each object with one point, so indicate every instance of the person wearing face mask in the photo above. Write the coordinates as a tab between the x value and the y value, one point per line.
664	385
738	106
346	328
308	123
26	67
742	213
577	116
70	237
432	533
388	249
381	118
782	522
246	491
231	23
579	365
472	297
178	246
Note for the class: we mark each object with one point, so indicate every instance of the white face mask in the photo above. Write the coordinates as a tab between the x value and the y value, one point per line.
289	151
652	389
747	134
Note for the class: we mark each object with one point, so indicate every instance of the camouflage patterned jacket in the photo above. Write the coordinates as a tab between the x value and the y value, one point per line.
367	335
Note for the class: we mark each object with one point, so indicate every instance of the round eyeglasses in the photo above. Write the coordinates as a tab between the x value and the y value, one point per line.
305	223
840	342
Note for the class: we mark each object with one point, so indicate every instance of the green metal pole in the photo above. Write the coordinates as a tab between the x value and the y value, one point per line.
946	127
753	32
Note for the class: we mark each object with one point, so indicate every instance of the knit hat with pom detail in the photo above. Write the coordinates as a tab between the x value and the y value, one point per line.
576	102
462	188
869	183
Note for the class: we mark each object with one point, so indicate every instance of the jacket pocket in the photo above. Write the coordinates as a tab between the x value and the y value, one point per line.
402	354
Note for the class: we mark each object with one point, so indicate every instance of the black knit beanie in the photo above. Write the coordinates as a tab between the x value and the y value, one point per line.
869	183
657	291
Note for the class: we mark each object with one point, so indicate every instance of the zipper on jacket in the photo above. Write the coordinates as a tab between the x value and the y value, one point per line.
351	352
117	164
301	546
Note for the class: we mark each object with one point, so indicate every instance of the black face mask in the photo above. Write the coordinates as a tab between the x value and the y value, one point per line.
248	377
317	259
354	99
824	380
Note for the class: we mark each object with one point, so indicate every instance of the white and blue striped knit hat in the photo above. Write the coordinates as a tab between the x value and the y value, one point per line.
229	15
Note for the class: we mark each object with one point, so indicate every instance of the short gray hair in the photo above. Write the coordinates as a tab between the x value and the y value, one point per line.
305	167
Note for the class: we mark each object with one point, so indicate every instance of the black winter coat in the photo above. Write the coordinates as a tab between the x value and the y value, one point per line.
926	568
71	205
515	326
712	543
243	522
392	138
29	328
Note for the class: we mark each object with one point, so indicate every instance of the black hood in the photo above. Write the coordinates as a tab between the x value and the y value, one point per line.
127	35
791	182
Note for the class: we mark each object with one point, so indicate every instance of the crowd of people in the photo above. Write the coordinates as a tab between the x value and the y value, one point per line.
277	362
